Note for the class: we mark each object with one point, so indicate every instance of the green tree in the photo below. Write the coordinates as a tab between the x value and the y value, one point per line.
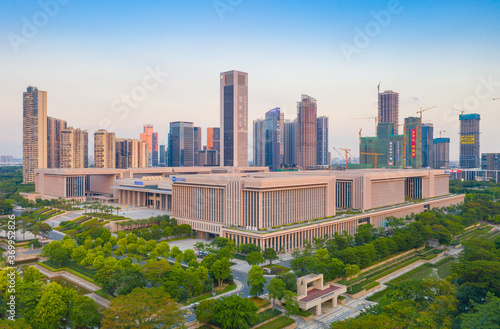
205	311
99	262
85	313
276	289
485	316
53	306
156	271
32	274
255	258
235	312
256	281
79	254
221	270
350	271
290	303
269	254
188	256
142	308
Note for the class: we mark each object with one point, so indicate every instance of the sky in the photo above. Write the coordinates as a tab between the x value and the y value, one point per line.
121	64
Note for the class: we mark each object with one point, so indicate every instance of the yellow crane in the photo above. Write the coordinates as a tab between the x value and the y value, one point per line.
360	130
374	154
422	111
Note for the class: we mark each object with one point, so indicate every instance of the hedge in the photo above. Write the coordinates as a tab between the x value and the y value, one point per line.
101	293
81	276
279	323
371	285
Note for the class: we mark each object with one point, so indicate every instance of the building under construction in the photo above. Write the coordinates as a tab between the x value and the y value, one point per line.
388	147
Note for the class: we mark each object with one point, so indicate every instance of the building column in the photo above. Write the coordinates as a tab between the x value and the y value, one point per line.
318	309
334	301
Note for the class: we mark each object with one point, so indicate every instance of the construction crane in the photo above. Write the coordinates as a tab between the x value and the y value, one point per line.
377	119
422	111
346	156
461	111
440	132
360	130
374	154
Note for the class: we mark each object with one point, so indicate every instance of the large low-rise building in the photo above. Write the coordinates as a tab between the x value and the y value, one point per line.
252	205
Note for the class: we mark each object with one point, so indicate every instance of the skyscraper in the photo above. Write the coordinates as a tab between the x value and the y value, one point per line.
163	156
441	153
306	133
151	139
427	145
104	149
490	161
272	135
234	118
34	132
322	141
181	144
54	128
127	153
289	134
470	155
259	143
388	108
197	144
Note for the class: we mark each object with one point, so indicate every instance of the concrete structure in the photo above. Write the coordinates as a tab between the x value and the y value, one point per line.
163	156
490	161
470	155
208	158
151	139
252	205
390	148
427	145
34	132
322	154
213	141
128	153
259	143
476	174
388	108
234	119
197	144
441	153
181	144
104	149
312	293
54	128
306	133
413	128
73	147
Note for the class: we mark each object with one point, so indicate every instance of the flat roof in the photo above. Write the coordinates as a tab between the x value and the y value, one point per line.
315	293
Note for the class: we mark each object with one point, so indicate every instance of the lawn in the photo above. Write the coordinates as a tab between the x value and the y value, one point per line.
277	269
266	315
207	295
280	322
259	302
75	267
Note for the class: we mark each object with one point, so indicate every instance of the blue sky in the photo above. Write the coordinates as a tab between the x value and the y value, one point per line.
91	52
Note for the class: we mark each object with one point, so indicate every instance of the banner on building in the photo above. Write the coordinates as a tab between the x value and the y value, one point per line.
414	143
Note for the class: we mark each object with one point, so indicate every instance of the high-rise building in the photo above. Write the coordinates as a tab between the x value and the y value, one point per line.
259	143
213	141
143	160
272	138
306	133
181	144
413	142
34	132
389	147
490	161
207	157
234	119
322	141
54	128
163	156
73	148
197	144
154	149
127	153
427	145
441	153
104	149
290	144
151	139
388	108
469	141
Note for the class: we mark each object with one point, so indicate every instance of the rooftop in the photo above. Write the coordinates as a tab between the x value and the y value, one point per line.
315	293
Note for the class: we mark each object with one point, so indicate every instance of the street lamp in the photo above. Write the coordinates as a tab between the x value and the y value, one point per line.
465	309
482	300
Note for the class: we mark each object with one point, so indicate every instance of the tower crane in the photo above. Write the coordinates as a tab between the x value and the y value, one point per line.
440	132
374	154
422	111
461	111
377	119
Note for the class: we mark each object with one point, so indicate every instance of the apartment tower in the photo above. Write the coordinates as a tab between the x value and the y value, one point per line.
470	155
34	132
322	154
306	133
104	149
388	108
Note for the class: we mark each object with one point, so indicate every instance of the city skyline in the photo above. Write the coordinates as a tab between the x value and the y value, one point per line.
86	99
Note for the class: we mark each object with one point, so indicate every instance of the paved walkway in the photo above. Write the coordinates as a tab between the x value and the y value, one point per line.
78	281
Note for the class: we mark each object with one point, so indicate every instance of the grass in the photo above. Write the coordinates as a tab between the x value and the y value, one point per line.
81	276
104	294
266	315
277	269
259	302
371	285
305	314
208	295
75	267
280	322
